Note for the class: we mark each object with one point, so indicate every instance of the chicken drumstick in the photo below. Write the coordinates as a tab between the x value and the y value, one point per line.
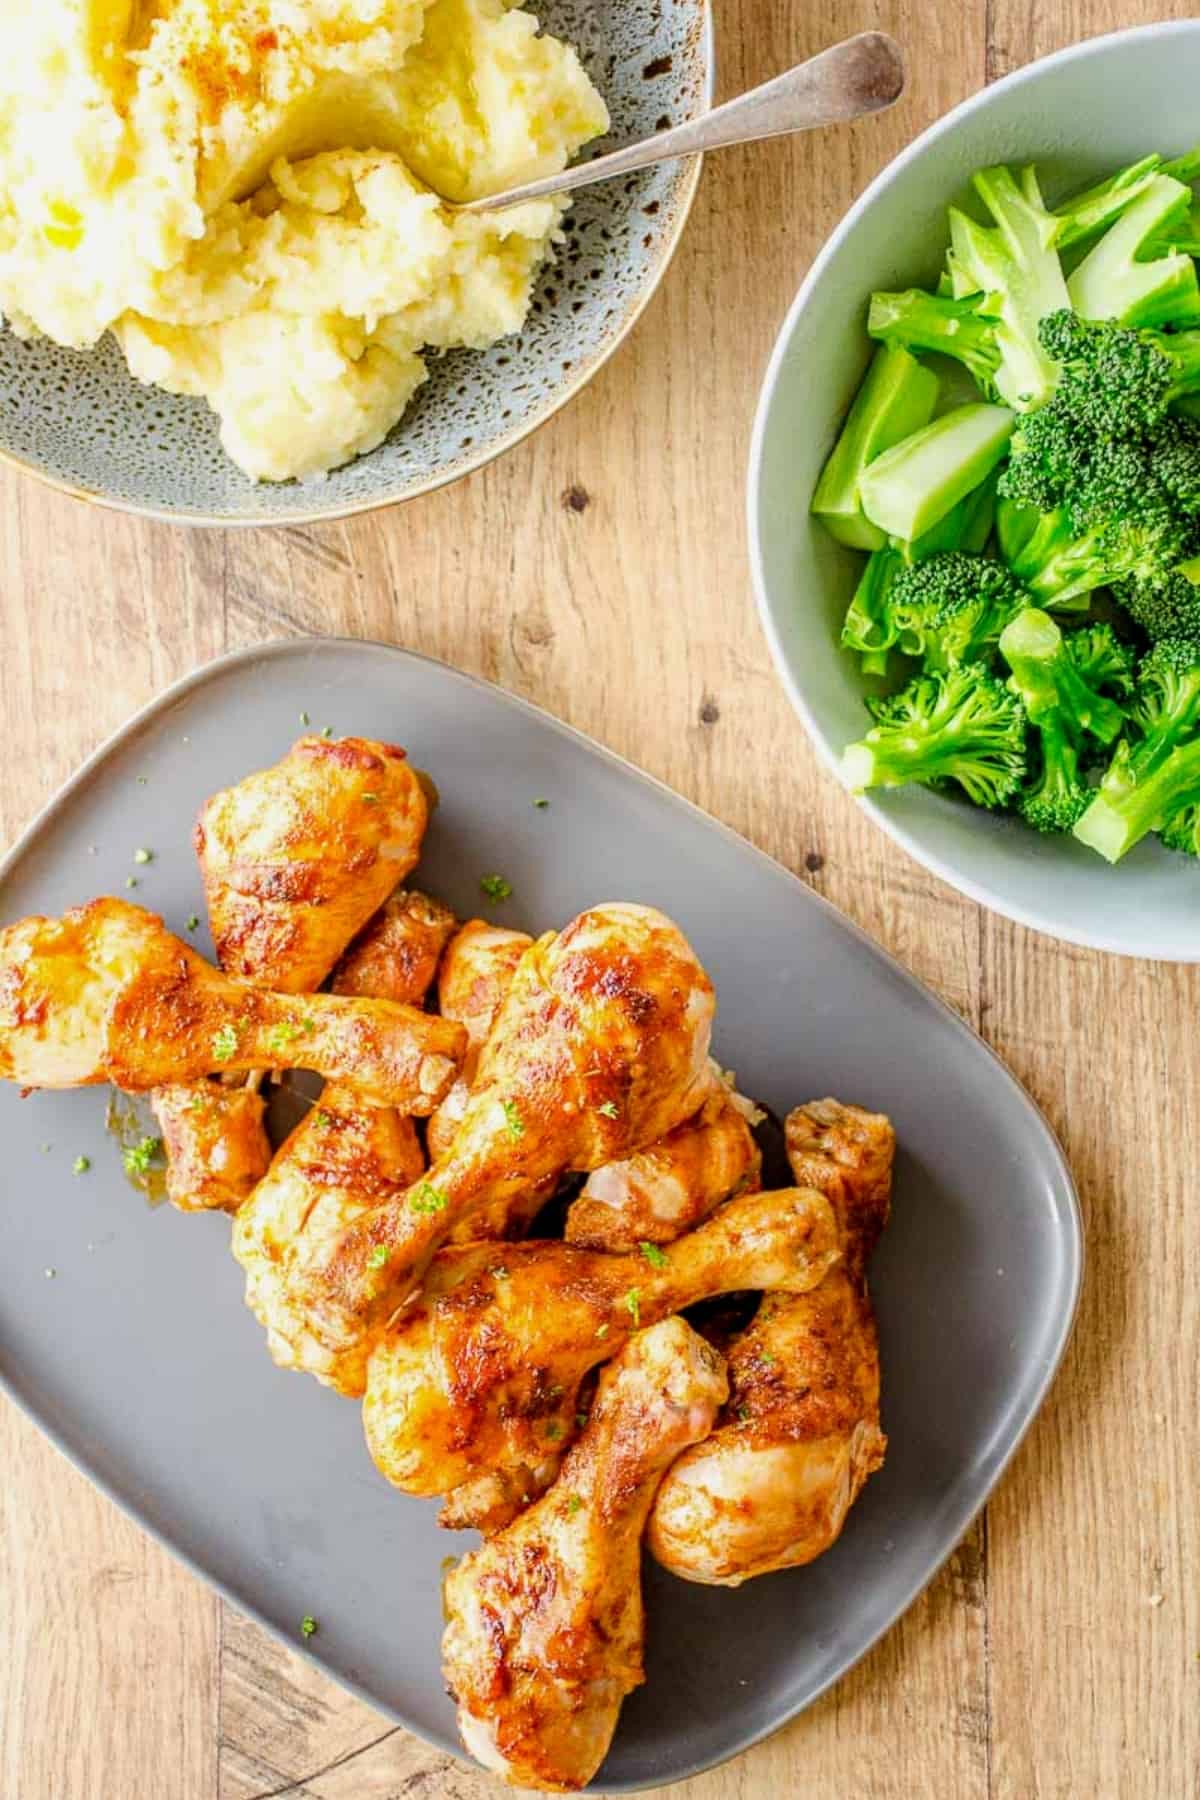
601	1047
106	993
545	1622
772	1486
473	1393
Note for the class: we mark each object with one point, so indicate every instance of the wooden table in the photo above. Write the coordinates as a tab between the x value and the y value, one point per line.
601	571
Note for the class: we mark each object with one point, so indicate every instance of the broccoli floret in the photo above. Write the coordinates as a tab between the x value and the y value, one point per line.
1121	279
952	608
1157	774
1061	566
1172	609
1182	830
1103	661
1013	265
961	726
1046	679
916	321
1117	380
896	398
1058	797
869	626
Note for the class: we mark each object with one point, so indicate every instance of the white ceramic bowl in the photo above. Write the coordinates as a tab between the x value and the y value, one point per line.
82	423
1077	115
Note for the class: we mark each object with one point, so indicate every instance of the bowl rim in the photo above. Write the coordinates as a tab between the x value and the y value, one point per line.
982	892
516	434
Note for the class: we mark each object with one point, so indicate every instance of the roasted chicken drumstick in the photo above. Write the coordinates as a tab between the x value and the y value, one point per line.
344	1156
214	1141
601	1047
545	1622
772	1486
296	858
473	1392
106	993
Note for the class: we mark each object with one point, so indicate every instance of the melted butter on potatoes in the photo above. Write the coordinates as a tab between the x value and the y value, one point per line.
238	191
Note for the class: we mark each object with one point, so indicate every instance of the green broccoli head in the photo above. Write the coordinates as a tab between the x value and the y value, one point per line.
1102	659
1155	775
1170	608
1114	380
1047	681
1182	831
961	725
1057	798
952	607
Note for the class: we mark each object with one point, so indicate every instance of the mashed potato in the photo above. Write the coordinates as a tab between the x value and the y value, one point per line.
238	191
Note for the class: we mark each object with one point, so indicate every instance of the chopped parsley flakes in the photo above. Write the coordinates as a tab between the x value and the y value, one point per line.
307	1625
610	1109
224	1043
81	1165
428	1199
573	1503
541	804
633	1305
378	1257
653	1255
192	922
553	1430
512	1119
281	1035
495	887
143	856
138	1157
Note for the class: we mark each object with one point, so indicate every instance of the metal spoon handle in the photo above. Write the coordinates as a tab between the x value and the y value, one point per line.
864	74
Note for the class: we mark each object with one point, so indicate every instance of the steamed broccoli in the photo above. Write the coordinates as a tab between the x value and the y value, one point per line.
871	626
1154	776
896	397
1119	380
1171	609
1013	266
952	608
1086	214
917	482
1182	830
1118	280
1046	679
916	320
1057	797
1101	658
961	726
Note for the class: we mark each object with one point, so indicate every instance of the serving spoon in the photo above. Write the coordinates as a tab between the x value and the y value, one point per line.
864	74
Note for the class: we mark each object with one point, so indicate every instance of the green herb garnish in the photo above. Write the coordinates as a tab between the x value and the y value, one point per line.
378	1257
428	1199
512	1119
553	1430
143	856
307	1625
138	1157
602	1330
81	1165
192	922
370	799
495	887
131	881
224	1043
610	1109
281	1035
304	719
573	1503
541	804
633	1305
322	1118
327	731
653	1255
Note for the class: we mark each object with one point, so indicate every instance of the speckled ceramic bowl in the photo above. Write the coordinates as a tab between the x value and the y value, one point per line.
81	422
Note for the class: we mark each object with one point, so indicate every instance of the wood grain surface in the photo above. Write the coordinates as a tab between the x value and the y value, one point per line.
601	571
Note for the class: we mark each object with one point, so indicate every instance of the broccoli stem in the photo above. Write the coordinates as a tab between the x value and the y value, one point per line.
1125	810
913	485
1086	214
896	398
1112	282
1046	681
920	321
1014	265
868	627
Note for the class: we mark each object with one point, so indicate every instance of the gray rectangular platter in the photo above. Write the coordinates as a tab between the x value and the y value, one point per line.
140	1361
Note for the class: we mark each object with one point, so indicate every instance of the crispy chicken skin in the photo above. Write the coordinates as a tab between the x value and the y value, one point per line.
106	993
473	982
341	1158
671	1186
396	955
600	1047
546	1624
474	1390
772	1486
297	857
344	1156
215	1143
